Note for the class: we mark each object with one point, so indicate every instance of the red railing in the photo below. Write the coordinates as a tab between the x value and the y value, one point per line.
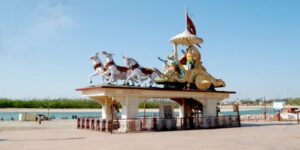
156	124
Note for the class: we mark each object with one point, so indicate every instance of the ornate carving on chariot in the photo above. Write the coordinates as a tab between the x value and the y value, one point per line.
187	71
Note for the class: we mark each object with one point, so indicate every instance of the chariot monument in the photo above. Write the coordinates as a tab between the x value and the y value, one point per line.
184	80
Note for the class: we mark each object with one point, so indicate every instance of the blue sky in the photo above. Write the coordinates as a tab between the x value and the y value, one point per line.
45	45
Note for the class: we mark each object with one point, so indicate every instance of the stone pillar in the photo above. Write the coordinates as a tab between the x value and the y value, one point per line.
188	114
210	108
106	107
130	112
130	107
181	111
180	101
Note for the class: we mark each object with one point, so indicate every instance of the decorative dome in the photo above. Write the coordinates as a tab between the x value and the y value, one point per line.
186	38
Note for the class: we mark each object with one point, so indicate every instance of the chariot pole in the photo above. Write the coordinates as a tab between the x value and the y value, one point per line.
175	52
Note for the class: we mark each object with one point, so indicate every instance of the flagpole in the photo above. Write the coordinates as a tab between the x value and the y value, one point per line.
185	12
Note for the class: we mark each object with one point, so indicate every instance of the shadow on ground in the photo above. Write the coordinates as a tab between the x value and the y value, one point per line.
76	138
265	124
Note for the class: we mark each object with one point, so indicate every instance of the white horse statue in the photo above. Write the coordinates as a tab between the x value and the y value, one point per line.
140	73
114	71
99	69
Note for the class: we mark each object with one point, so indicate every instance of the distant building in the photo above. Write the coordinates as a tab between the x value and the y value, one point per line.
278	105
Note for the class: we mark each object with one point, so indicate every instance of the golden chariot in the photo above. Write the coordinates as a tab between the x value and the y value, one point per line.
177	74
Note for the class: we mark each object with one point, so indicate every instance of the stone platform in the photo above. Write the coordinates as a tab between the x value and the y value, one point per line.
130	97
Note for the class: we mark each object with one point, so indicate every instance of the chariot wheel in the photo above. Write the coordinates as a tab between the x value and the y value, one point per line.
202	82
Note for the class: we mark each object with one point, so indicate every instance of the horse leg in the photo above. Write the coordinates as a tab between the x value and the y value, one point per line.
139	80
139	77
123	76
113	75
102	76
106	75
150	81
105	78
134	81
93	74
134	78
130	77
152	78
126	79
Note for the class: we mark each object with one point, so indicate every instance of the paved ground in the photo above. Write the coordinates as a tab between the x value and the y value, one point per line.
62	135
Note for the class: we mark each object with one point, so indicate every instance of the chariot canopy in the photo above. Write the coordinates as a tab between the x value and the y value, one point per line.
188	71
186	38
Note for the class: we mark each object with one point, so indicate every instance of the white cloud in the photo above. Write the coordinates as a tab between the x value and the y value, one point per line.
51	16
47	19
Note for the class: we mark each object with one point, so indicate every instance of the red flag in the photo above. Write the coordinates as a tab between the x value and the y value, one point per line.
190	25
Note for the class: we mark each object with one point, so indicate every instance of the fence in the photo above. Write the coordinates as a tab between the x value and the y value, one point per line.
156	124
256	118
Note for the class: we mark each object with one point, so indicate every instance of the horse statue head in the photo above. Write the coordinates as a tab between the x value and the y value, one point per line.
107	54
130	62
108	57
95	58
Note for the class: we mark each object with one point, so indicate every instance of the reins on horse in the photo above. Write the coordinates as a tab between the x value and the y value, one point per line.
109	64
134	66
97	65
120	68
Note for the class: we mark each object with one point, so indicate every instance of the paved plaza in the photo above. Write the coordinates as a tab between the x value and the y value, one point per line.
62	135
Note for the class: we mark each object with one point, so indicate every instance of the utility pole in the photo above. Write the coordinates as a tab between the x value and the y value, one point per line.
238	113
236	108
48	113
298	116
265	111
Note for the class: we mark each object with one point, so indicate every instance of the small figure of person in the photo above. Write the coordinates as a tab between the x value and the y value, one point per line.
40	120
164	61
172	66
190	58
